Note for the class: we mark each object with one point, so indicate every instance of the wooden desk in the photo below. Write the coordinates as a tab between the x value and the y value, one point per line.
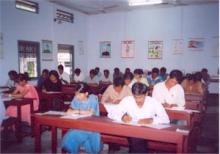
49	97
106	126
19	103
182	115
173	114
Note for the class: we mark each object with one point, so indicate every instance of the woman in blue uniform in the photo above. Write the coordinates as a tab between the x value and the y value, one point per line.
83	103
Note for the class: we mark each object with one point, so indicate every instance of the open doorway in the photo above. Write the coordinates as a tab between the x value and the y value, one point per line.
65	57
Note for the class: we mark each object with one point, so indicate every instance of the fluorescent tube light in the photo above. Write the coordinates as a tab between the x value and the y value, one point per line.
144	2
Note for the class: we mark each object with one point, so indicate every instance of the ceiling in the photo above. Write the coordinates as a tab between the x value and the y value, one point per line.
91	7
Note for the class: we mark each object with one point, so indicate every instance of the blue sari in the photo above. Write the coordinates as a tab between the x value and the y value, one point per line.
74	139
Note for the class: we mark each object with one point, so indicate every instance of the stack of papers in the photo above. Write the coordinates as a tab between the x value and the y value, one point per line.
182	130
76	116
53	113
135	123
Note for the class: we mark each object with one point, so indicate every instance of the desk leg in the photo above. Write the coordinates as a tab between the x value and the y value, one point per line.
19	123
54	140
181	145
37	131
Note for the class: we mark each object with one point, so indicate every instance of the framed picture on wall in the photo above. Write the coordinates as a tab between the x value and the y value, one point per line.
155	49
196	44
47	50
127	49
178	46
105	49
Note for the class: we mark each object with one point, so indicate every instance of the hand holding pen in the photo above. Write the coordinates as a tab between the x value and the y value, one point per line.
126	118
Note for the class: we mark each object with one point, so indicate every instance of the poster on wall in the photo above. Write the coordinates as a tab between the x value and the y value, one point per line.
81	47
196	44
127	49
105	49
1	45
155	49
178	46
215	46
47	50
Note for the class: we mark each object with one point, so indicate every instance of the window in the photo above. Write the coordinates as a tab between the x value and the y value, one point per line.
27	6
63	16
29	58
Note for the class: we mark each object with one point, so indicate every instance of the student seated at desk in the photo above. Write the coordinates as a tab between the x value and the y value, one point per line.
44	76
83	103
116	92
193	84
53	83
64	76
106	79
11	83
170	93
128	77
92	78
142	109
154	78
78	76
23	90
138	77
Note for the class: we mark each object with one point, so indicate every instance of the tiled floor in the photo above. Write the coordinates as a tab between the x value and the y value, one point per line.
208	143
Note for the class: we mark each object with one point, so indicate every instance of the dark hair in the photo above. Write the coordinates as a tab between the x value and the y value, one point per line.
92	71
198	76
12	73
77	71
97	69
189	76
163	69
22	77
128	75
127	70
60	67
27	75
139	89
106	71
116	69
155	70
138	71
204	70
82	88
54	72
45	71
118	81
177	74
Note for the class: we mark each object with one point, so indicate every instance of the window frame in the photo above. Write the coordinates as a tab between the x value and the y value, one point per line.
37	58
25	3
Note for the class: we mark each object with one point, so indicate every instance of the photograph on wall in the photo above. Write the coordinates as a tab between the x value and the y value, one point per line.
81	47
105	49
196	44
47	50
1	45
155	49
215	46
178	46
127	49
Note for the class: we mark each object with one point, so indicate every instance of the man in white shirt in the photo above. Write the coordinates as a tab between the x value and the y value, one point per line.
170	93
138	77
78	75
92	78
142	109
64	77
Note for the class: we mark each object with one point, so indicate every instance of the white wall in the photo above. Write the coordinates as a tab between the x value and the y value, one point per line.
199	21
22	25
